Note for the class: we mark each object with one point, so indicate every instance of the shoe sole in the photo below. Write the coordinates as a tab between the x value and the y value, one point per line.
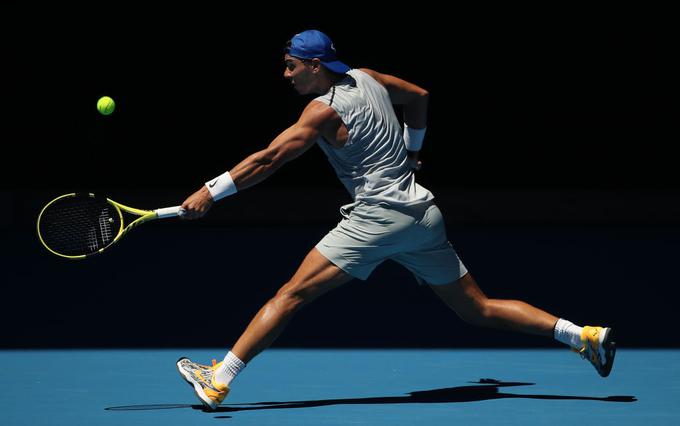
609	347
198	389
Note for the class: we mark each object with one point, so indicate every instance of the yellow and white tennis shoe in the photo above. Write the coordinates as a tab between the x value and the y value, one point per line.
202	378
598	348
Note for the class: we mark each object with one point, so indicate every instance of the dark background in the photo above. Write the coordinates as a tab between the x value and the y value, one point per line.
549	150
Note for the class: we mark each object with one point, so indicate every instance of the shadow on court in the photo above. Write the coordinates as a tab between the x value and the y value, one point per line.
485	389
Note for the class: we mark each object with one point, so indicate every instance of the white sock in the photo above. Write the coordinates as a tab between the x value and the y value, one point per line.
229	369
568	333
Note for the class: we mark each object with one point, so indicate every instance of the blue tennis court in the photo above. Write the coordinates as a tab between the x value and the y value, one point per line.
337	387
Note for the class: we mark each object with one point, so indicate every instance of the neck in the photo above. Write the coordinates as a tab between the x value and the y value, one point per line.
329	81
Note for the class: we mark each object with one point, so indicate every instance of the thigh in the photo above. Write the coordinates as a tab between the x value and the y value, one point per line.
315	276
463	296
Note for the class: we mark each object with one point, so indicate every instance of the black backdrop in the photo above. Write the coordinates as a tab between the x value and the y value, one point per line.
549	149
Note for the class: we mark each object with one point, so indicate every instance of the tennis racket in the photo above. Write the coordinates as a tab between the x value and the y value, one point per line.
79	225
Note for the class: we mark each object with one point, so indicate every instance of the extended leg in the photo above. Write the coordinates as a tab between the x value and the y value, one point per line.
471	304
315	276
466	298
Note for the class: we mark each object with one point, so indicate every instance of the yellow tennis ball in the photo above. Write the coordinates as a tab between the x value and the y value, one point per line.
106	105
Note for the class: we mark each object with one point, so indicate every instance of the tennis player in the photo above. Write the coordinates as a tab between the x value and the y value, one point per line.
392	217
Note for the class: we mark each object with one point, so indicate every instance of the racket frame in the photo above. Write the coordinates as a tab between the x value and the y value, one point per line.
144	216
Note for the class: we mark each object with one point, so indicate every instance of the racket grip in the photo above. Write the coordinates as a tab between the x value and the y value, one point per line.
170	212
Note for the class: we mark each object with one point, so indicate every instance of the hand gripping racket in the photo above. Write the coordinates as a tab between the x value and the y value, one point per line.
79	225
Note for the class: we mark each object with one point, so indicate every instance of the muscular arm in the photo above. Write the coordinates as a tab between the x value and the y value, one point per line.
413	98
288	145
316	119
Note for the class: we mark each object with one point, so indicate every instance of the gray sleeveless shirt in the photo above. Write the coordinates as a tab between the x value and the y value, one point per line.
373	164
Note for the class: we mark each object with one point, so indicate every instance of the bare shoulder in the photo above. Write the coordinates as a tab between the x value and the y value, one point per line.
318	114
324	119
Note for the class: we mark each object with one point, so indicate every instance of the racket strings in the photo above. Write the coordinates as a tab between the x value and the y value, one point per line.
79	225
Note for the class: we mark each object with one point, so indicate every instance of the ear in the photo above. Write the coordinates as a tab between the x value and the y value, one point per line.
316	65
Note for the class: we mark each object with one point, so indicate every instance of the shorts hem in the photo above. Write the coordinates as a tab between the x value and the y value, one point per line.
339	261
419	279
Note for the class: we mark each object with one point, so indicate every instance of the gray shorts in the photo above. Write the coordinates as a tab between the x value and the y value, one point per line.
369	234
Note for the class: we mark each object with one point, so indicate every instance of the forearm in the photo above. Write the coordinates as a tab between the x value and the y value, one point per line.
415	112
255	168
252	170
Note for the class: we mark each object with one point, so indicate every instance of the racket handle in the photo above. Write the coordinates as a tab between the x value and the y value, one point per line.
170	212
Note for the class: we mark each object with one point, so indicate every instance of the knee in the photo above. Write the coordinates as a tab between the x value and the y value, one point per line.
287	300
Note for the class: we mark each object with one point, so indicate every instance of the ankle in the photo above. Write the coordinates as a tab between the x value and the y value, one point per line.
568	333
230	367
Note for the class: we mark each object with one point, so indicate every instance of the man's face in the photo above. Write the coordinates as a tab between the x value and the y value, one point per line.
300	74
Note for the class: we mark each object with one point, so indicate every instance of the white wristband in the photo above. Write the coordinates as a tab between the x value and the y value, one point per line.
413	138
222	186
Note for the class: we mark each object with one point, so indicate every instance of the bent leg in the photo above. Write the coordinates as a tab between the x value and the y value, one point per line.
315	276
471	304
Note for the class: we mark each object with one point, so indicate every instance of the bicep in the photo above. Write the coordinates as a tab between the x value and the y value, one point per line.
293	142
298	138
